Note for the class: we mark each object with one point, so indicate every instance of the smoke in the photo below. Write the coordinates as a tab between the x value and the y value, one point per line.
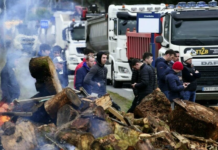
19	24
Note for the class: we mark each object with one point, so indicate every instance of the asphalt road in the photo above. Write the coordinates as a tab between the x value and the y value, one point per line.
127	93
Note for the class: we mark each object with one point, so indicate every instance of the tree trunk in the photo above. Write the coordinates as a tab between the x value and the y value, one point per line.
24	138
67	96
81	140
194	119
66	114
43	70
155	104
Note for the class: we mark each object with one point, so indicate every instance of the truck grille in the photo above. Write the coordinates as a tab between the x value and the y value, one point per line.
80	50
209	75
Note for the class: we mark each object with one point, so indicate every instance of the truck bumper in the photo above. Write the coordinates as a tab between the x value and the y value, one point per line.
209	95
120	76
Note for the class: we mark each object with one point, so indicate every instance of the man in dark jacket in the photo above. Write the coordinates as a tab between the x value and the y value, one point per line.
81	73
97	76
62	74
174	85
162	66
190	75
44	50
145	84
9	84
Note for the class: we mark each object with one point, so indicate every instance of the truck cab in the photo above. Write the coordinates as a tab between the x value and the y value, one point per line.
108	33
192	29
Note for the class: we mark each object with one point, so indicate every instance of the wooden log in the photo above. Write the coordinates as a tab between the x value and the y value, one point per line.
66	114
24	138
110	142
104	101
195	119
67	96
80	140
80	124
126	134
155	104
8	128
43	70
100	128
144	145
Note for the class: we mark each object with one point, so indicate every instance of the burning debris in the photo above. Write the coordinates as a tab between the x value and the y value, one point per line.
68	119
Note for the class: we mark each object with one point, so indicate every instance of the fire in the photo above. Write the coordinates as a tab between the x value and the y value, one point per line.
4	119
4	107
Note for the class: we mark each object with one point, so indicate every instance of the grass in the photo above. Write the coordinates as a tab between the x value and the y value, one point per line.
124	103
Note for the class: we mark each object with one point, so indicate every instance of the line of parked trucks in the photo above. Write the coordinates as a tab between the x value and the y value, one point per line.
187	27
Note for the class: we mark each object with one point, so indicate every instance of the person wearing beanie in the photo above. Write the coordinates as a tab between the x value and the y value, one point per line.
190	75
174	85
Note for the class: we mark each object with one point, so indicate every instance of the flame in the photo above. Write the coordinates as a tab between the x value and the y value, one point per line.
4	119
4	107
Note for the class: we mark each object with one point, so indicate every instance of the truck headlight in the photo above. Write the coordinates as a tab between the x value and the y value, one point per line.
73	60
123	70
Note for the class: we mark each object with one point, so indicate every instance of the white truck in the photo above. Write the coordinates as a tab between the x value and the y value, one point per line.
70	35
108	32
192	29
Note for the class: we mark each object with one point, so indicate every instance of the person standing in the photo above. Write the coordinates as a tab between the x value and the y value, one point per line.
87	52
44	50
190	75
97	76
145	83
9	84
56	52
62	74
162	66
175	59
81	73
174	85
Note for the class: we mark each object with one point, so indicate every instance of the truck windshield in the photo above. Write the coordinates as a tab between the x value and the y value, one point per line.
78	33
124	24
194	32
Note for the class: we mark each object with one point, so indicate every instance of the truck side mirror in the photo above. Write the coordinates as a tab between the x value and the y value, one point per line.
159	39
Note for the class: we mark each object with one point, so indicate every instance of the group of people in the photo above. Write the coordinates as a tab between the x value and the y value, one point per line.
174	78
55	53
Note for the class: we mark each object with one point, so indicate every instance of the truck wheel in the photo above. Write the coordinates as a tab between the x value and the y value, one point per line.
116	84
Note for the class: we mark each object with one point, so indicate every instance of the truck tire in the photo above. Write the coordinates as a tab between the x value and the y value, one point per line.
116	84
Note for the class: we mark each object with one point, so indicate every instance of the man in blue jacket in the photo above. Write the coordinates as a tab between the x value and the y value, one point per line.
81	73
189	74
174	85
162	66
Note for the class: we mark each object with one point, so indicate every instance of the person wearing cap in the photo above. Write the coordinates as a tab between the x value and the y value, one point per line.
62	74
44	50
174	85
9	84
81	73
87	52
190	75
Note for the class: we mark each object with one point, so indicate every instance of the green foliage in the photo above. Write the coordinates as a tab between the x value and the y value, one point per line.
40	13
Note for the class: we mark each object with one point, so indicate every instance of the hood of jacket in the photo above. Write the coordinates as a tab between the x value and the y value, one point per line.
170	71
99	55
86	66
159	59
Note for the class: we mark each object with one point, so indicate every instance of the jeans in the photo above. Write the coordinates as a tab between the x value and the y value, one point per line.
189	95
166	94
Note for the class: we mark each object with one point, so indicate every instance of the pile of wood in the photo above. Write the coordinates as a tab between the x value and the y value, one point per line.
62	119
87	124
